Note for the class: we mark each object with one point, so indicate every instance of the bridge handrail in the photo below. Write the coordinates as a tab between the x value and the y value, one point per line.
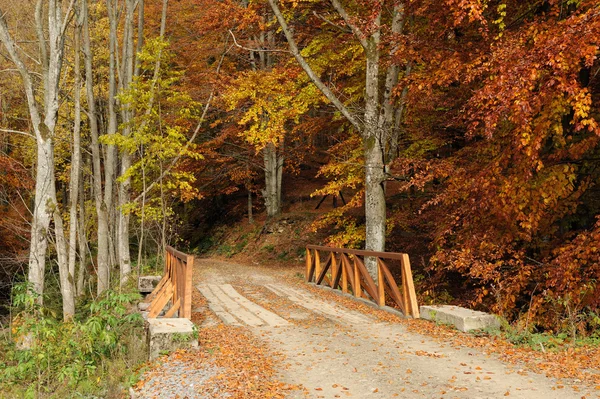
175	287
338	271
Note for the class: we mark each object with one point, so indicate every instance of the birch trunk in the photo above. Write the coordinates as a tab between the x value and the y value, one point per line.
51	46
101	207
126	158
371	129
81	241
110	150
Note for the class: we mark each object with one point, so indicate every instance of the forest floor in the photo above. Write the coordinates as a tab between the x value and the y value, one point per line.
264	333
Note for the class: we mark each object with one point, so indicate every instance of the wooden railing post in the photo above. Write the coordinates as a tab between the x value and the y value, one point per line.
380	284
333	270
409	287
344	263
308	265
357	287
189	274
317	266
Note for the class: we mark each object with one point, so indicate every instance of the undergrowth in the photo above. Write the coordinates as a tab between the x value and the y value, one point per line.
546	340
92	355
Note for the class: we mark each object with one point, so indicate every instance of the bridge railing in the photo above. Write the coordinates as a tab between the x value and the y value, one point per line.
175	287
345	269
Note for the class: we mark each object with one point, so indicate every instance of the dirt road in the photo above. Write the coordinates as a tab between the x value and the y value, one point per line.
337	351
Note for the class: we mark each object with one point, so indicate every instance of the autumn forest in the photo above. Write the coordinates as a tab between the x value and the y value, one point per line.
464	133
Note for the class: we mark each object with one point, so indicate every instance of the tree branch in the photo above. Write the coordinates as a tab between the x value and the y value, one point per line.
345	30
18	132
258	50
357	32
309	71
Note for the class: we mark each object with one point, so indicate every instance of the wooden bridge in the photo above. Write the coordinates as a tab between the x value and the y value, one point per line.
343	266
340	268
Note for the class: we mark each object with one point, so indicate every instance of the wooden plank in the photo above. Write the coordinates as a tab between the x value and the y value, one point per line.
380	284
189	276
307	276
350	273
323	272
161	300
311	271
157	289
385	255
393	291
173	309
344	263
317	265
333	269
356	283
175	253
338	273
174	276
370	286
410	287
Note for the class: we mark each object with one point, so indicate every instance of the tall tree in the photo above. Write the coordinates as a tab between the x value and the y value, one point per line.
51	21
377	113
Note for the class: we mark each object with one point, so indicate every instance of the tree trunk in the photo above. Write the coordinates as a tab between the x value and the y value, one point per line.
68	279
51	46
371	131
126	158
375	213
110	150
103	264
272	191
81	241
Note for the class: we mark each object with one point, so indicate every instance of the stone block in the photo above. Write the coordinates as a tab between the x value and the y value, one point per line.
146	284
461	318
167	335
143	306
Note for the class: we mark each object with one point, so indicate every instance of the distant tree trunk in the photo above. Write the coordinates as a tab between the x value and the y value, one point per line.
81	240
250	212
272	191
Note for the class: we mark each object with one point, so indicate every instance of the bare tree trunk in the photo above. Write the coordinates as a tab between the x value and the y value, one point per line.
371	131
250	212
142	216
271	192
68	280
248	188
81	240
103	264
51	58
110	150
140	36
126	157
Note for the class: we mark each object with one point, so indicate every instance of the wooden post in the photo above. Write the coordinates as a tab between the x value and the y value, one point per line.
344	262
186	309
317	265
380	284
308	265
357	287
334	269
410	287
